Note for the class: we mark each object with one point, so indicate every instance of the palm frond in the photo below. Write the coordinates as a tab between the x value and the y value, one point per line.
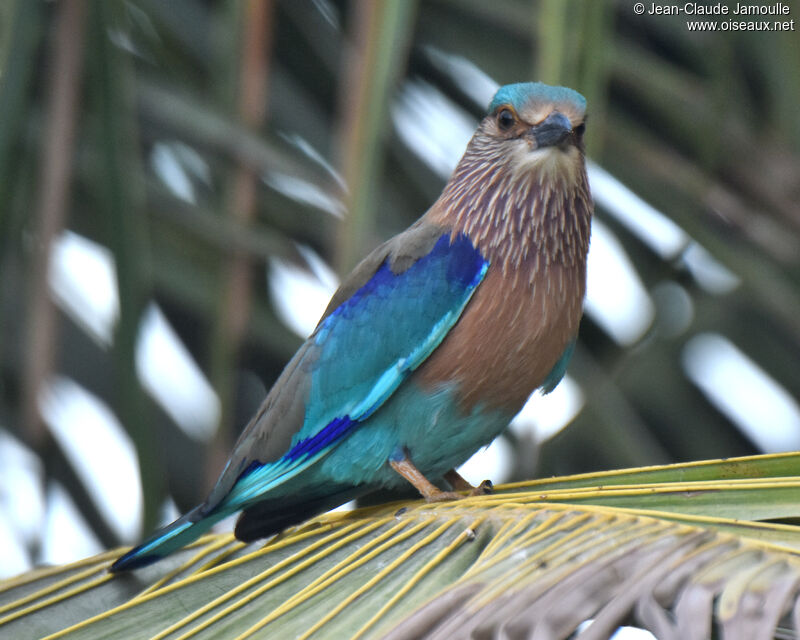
536	559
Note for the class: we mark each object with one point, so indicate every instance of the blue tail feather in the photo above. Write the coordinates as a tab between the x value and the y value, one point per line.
171	538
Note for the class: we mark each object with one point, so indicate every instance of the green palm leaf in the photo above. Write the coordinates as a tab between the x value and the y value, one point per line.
536	559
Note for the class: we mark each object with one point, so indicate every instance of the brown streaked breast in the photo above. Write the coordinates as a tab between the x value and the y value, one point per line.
509	337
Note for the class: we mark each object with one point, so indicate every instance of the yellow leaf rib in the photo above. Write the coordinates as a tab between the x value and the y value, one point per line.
347	534
423	571
388	539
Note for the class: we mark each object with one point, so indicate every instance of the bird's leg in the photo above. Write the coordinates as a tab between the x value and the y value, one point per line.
455	480
402	464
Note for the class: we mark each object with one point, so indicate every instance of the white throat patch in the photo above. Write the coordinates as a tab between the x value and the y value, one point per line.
548	163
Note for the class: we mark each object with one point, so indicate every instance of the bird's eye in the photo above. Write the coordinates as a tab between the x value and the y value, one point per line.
505	119
580	128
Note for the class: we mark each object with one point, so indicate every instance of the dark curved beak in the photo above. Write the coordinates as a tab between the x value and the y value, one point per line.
552	131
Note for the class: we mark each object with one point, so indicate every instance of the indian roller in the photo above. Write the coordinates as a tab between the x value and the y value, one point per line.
434	341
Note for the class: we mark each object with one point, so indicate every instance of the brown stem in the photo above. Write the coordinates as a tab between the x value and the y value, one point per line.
234	313
65	62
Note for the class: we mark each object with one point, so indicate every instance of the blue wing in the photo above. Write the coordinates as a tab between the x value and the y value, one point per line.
364	349
382	324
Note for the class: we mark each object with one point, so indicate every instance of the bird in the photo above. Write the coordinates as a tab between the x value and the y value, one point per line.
434	341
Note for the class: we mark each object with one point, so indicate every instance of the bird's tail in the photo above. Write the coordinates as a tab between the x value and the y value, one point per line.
184	530
271	516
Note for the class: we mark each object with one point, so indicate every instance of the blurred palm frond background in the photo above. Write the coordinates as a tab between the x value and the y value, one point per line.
182	183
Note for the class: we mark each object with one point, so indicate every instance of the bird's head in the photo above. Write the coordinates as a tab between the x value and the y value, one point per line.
522	180
534	126
532	133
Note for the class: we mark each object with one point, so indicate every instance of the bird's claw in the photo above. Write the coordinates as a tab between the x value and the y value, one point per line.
485	488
